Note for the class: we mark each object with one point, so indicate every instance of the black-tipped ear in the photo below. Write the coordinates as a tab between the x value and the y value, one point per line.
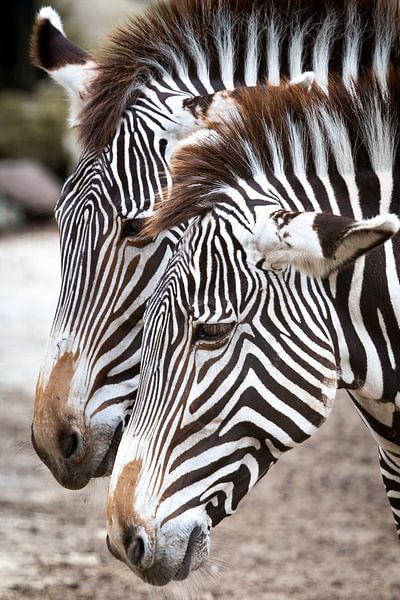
354	240
68	64
50	49
320	243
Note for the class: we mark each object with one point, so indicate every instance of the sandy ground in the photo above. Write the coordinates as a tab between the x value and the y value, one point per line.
318	527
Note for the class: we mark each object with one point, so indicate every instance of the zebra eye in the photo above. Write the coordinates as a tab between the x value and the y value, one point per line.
212	334
132	227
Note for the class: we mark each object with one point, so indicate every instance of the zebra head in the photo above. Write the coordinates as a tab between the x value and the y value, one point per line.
241	349
89	377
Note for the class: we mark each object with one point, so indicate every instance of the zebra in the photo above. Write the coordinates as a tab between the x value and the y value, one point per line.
272	301
131	107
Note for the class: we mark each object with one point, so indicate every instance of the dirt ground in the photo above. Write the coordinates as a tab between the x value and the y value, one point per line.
318	527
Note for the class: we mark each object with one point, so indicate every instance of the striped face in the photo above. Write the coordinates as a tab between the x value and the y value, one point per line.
238	367
89	378
240	364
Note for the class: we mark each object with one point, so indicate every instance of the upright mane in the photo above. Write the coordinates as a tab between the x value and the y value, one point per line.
236	42
281	132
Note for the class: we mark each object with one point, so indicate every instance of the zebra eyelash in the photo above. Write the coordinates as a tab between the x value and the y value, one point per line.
132	227
211	335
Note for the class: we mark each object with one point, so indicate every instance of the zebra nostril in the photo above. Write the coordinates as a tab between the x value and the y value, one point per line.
69	444
136	552
136	546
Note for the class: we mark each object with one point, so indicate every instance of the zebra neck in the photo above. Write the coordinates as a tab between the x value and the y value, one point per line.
365	297
366	319
362	194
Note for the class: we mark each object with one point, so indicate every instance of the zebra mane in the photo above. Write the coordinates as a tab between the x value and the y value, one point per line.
281	132
237	42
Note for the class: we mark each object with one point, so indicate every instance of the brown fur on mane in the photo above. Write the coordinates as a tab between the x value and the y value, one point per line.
203	166
146	45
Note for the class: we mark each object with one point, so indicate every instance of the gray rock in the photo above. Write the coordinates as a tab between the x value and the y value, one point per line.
30	186
11	215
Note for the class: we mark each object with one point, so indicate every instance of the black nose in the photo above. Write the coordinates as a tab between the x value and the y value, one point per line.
136	546
70	444
136	552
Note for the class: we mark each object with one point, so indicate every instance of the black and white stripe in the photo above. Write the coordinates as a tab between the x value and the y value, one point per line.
255	325
108	271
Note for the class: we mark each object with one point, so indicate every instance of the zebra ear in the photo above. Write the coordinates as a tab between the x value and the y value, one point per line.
68	64
320	243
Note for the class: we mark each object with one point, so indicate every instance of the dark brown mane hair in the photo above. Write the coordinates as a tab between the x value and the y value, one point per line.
149	45
228	151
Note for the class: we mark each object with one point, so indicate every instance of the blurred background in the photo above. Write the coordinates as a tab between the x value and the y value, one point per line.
318	527
36	149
